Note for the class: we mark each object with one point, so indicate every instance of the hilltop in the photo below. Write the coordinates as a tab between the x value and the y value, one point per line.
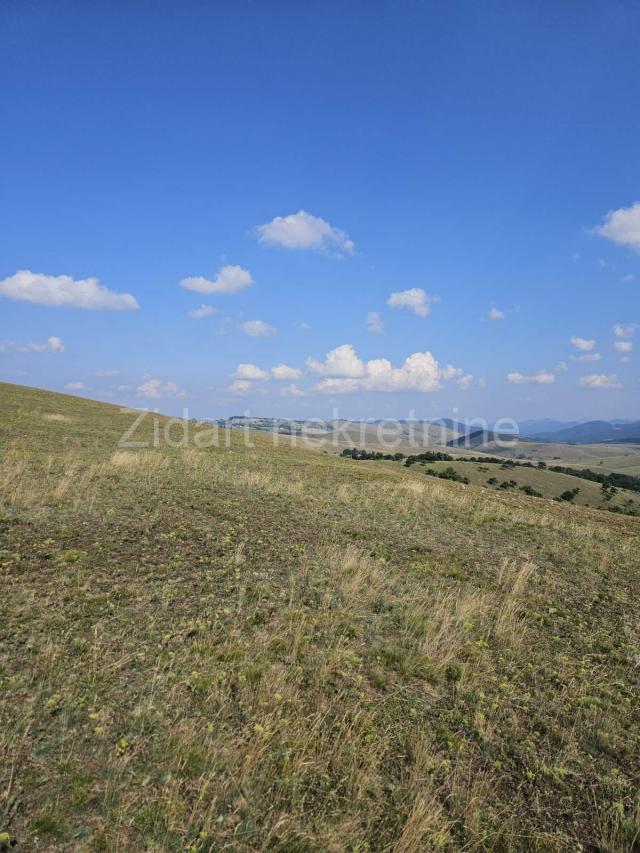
232	646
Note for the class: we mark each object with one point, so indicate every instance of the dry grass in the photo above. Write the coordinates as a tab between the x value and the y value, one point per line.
270	649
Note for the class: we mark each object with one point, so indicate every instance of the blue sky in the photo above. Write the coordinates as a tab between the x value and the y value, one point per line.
480	161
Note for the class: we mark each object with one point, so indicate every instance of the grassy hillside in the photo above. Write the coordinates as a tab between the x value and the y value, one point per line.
549	484
259	648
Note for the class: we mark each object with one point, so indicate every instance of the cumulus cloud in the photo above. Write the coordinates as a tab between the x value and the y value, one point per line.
624	330
622	226
154	389
600	380
230	279
301	230
250	371
258	329
587	356
347	373
283	371
292	390
374	323
415	299
584	344
240	386
341	361
541	377
63	290
495	314
202	311
623	346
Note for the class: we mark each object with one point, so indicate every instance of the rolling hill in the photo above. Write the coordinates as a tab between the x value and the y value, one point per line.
230	644
593	432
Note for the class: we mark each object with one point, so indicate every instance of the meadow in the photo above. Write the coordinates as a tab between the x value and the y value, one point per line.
272	648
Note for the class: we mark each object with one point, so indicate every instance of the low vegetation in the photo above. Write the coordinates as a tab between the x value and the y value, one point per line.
267	648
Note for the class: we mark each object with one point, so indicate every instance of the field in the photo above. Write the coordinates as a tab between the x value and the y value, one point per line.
270	648
549	484
612	457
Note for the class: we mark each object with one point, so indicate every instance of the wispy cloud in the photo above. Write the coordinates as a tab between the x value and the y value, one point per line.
302	230
584	344
600	380
292	390
240	386
623	346
415	299
64	291
202	311
374	323
154	389
258	329
52	344
541	377
624	330
495	314
586	357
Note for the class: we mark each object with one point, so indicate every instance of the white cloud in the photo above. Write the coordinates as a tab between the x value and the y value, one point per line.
62	290
495	314
624	330
627	279
374	323
240	386
301	230
600	380
230	279
561	367
52	344
542	377
584	344
625	359
110	371
306	327
465	381
623	346
348	373
586	357
283	371
202	311
415	299
258	329
622	226
250	371
341	361
74	386
292	390
154	389
338	386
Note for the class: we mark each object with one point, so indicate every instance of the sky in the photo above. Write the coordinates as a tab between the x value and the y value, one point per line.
374	209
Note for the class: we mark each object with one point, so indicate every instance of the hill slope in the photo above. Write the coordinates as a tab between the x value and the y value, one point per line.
252	648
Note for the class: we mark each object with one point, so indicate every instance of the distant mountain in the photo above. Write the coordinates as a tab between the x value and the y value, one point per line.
481	437
593	432
544	425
